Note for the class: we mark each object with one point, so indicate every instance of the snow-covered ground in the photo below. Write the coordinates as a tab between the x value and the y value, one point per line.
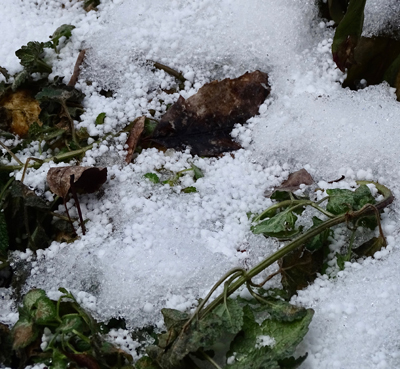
149	246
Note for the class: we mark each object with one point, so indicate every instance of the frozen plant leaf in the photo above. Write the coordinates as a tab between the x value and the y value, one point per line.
348	34
63	31
189	189
31	298
20	79
341	201
134	136
205	120
86	179
69	323
152	177
45	312
370	247
100	119
198	173
31	57
282	225
321	239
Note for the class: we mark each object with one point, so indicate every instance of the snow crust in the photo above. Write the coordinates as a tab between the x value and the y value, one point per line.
148	246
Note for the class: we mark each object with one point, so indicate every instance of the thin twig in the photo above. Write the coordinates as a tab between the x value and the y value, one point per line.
75	75
11	153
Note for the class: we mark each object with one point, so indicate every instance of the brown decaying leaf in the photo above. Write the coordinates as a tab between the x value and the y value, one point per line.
83	360
23	110
86	179
134	136
204	121
293	182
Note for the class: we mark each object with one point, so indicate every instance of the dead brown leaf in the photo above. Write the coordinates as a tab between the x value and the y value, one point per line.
204	121
86	179
134	135
293	182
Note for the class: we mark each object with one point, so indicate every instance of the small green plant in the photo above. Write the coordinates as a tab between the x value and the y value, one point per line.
174	178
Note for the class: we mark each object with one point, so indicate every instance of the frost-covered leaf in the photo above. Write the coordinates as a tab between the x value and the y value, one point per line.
45	311
31	57
198	173
152	177
340	201
370	247
281	225
63	31
32	297
70	322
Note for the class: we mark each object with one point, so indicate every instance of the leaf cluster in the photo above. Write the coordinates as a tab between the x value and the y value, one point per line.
234	323
73	337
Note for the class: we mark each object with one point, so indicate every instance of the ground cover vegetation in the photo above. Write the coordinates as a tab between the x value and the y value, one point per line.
226	330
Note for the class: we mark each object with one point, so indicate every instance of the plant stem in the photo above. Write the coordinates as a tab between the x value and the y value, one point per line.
301	240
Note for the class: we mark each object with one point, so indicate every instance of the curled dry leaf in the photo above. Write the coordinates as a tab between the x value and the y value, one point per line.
204	121
293	182
86	179
134	135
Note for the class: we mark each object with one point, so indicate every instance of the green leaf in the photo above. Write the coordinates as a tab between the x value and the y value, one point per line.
63	290
340	201
198	173
62	31
320	240
152	177
31	57
287	335
3	235
100	119
71	322
347	34
146	363
24	332
189	189
20	79
59	360
45	311
282	225
31	298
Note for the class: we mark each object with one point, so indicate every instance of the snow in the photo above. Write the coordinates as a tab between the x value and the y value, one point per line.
148	246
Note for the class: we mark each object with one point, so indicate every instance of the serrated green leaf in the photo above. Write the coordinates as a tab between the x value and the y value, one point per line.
198	173
71	322
152	177
189	189
340	201
231	315
62	31
24	332
100	119
283	311
281	225
3	235
31	57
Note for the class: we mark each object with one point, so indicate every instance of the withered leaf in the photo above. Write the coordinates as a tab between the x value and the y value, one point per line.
300	268
293	182
204	121
86	179
134	135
